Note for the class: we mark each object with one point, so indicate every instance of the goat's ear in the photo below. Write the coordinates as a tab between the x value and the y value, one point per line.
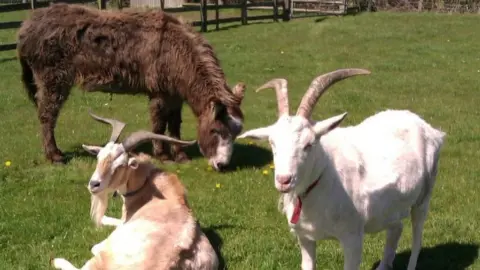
133	163
92	149
323	127
256	134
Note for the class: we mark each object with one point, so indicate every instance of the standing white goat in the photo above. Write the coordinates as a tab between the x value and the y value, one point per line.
344	182
159	230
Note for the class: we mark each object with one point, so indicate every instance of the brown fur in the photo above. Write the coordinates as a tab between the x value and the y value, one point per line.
127	52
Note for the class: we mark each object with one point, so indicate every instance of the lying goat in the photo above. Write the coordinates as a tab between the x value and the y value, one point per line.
159	230
344	182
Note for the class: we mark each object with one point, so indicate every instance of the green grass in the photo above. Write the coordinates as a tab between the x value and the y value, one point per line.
426	63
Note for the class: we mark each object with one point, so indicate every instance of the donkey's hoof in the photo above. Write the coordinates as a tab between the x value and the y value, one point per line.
58	159
182	158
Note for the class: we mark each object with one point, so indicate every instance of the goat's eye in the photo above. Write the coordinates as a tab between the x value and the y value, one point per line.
214	131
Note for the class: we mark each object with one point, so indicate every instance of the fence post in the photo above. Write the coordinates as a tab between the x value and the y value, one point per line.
162	4
244	12
275	11
102	4
33	3
217	15
203	15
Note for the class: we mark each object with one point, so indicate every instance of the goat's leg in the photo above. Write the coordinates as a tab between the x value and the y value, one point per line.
110	221
418	216
307	248
158	117
61	263
174	125
352	251
393	236
54	89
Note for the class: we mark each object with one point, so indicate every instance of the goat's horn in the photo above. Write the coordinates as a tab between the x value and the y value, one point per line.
141	136
320	84
280	86
117	126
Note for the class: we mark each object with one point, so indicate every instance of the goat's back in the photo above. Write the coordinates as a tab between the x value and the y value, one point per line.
158	236
386	164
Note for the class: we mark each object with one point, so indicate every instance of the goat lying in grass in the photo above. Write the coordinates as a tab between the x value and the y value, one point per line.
159	230
344	182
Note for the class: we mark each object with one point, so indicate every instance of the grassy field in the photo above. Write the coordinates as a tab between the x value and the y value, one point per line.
426	63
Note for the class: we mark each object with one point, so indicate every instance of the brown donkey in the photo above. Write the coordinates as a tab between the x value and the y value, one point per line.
130	52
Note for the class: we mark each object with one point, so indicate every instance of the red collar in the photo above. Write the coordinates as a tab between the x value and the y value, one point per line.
298	206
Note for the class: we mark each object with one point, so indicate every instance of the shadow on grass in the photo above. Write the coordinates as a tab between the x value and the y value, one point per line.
248	156
451	256
233	26
216	241
75	152
243	157
7	59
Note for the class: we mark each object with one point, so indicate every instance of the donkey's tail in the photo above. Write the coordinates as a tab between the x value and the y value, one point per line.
29	80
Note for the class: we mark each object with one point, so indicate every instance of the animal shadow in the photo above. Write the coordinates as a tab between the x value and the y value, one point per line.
75	152
248	156
216	241
449	256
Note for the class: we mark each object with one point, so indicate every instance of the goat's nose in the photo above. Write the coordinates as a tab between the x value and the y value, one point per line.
94	184
284	179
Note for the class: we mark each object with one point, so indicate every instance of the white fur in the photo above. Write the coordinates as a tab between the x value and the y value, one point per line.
373	175
224	152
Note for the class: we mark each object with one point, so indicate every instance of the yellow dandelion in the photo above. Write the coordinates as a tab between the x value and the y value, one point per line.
217	185
250	142
272	166
8	163
265	172
178	171
209	168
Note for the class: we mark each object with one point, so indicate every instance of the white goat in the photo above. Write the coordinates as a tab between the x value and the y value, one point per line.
159	230
344	182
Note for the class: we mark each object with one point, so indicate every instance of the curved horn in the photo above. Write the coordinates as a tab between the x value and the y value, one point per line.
117	126
320	84
141	136
280	86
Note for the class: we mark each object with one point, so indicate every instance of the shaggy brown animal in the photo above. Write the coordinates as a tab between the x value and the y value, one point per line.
130	52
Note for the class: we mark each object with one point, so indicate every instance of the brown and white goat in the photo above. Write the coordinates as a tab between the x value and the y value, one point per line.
159	230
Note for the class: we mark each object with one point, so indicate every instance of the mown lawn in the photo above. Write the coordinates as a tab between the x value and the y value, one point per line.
426	63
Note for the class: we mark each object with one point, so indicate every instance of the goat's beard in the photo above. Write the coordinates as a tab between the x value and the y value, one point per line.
98	207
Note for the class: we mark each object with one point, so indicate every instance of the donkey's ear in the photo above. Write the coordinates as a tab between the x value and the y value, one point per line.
92	149
239	91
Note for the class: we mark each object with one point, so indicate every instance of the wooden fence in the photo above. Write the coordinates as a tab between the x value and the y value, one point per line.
202	8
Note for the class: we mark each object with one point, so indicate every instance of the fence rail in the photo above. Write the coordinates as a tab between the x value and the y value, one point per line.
202	8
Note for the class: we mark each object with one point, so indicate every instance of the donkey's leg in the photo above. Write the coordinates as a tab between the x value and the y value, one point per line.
54	88
158	117
174	125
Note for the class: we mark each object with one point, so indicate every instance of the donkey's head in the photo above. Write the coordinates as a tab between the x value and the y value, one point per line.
292	137
218	127
114	161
